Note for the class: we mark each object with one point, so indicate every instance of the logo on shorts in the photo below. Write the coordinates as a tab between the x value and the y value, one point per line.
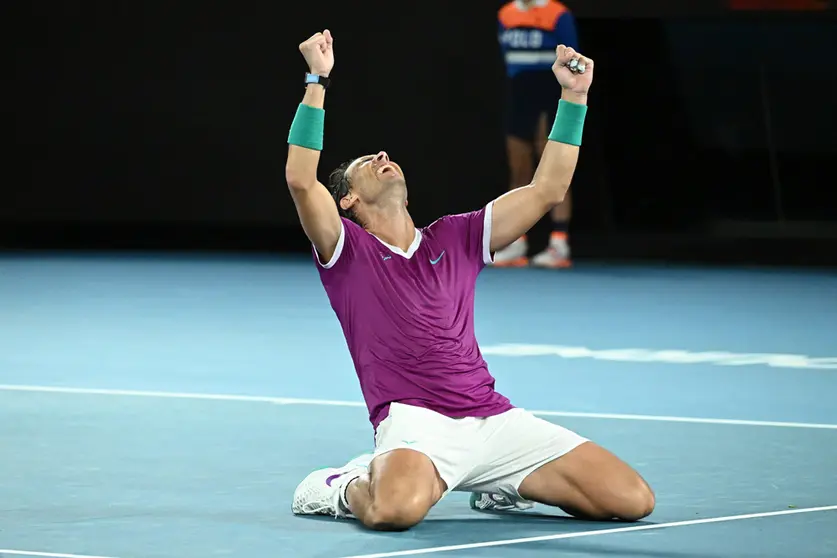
434	262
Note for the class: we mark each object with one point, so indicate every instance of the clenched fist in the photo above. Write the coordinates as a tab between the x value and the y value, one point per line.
319	53
574	71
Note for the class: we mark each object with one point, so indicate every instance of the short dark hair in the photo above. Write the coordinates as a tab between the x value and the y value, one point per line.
338	186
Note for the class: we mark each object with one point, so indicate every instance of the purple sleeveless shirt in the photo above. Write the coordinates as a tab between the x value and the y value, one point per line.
408	317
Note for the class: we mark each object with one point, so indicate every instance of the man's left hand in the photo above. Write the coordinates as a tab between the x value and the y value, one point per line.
574	71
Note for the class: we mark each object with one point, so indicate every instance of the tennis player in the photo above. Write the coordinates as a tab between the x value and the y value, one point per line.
404	297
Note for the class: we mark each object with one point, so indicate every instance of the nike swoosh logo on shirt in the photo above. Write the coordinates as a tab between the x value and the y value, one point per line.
434	262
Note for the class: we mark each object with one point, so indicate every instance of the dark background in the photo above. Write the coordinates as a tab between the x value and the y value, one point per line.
163	125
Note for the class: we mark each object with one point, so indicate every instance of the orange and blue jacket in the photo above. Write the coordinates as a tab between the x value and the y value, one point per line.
529	35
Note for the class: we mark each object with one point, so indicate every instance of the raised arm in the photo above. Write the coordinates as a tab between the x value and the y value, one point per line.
515	212
314	205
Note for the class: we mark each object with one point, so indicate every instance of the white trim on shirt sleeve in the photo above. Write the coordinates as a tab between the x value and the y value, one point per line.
338	249
487	256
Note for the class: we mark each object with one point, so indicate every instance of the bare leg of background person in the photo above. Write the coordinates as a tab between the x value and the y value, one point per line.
521	156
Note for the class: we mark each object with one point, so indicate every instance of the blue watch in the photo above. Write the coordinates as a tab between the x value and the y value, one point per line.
313	78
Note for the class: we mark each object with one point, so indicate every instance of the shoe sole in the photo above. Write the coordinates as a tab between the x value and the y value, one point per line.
517	262
563	264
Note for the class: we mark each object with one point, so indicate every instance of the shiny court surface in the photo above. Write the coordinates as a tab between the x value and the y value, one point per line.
167	406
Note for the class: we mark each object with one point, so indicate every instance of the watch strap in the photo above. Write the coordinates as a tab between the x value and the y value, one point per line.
314	78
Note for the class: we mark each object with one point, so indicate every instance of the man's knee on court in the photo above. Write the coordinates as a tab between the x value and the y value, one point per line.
633	500
389	514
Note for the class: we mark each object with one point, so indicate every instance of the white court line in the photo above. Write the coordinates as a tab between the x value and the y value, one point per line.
333	403
4	552
181	395
663	418
597	533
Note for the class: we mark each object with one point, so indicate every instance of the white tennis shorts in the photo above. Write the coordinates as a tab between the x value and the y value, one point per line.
489	455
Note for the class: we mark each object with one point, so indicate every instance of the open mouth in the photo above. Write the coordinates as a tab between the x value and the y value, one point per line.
387	170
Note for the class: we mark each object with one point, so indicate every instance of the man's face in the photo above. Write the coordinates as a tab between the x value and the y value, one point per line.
372	178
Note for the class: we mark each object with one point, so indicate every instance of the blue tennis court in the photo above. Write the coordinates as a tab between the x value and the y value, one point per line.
165	406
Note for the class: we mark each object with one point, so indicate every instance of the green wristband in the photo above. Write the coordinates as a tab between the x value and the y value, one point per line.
569	123
307	127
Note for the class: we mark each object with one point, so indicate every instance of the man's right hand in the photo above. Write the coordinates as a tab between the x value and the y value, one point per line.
319	53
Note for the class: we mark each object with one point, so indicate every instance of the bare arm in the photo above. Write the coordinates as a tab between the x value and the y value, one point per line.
515	212
314	205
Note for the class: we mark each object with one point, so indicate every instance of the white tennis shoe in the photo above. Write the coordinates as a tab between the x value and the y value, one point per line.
319	493
497	502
